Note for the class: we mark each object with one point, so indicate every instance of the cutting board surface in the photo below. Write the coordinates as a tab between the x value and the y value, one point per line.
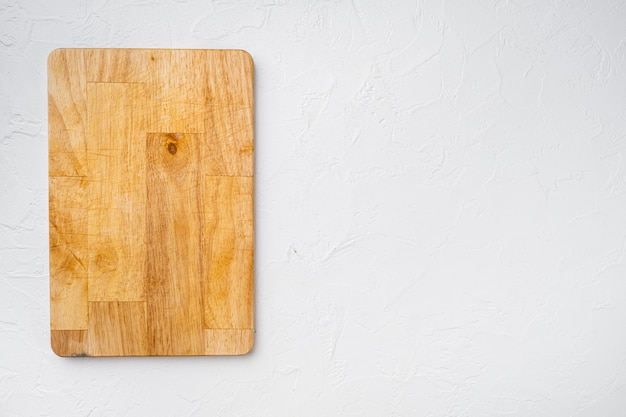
151	202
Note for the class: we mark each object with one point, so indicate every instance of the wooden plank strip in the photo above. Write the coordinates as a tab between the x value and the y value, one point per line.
117	191
175	265
69	342
117	65
117	328
228	244
229	124
67	113
68	253
179	97
228	341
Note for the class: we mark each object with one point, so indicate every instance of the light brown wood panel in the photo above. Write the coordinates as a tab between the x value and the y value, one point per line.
179	104
116	65
233	115
67	112
119	328
228	341
68	253
229	246
175	262
117	192
69	342
151	202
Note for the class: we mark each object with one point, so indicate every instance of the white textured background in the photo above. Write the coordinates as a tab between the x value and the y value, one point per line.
441	210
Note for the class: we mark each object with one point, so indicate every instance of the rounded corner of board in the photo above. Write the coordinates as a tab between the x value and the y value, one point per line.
247	56
248	346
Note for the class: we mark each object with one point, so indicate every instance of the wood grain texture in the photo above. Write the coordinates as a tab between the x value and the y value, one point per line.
116	65
69	342
117	328
68	253
67	113
151	163
117	191
233	117
228	341
68	206
229	250
175	261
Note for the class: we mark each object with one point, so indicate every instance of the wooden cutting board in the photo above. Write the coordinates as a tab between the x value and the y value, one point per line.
151	175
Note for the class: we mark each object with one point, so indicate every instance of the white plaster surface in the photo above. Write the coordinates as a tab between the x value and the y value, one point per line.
440	207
